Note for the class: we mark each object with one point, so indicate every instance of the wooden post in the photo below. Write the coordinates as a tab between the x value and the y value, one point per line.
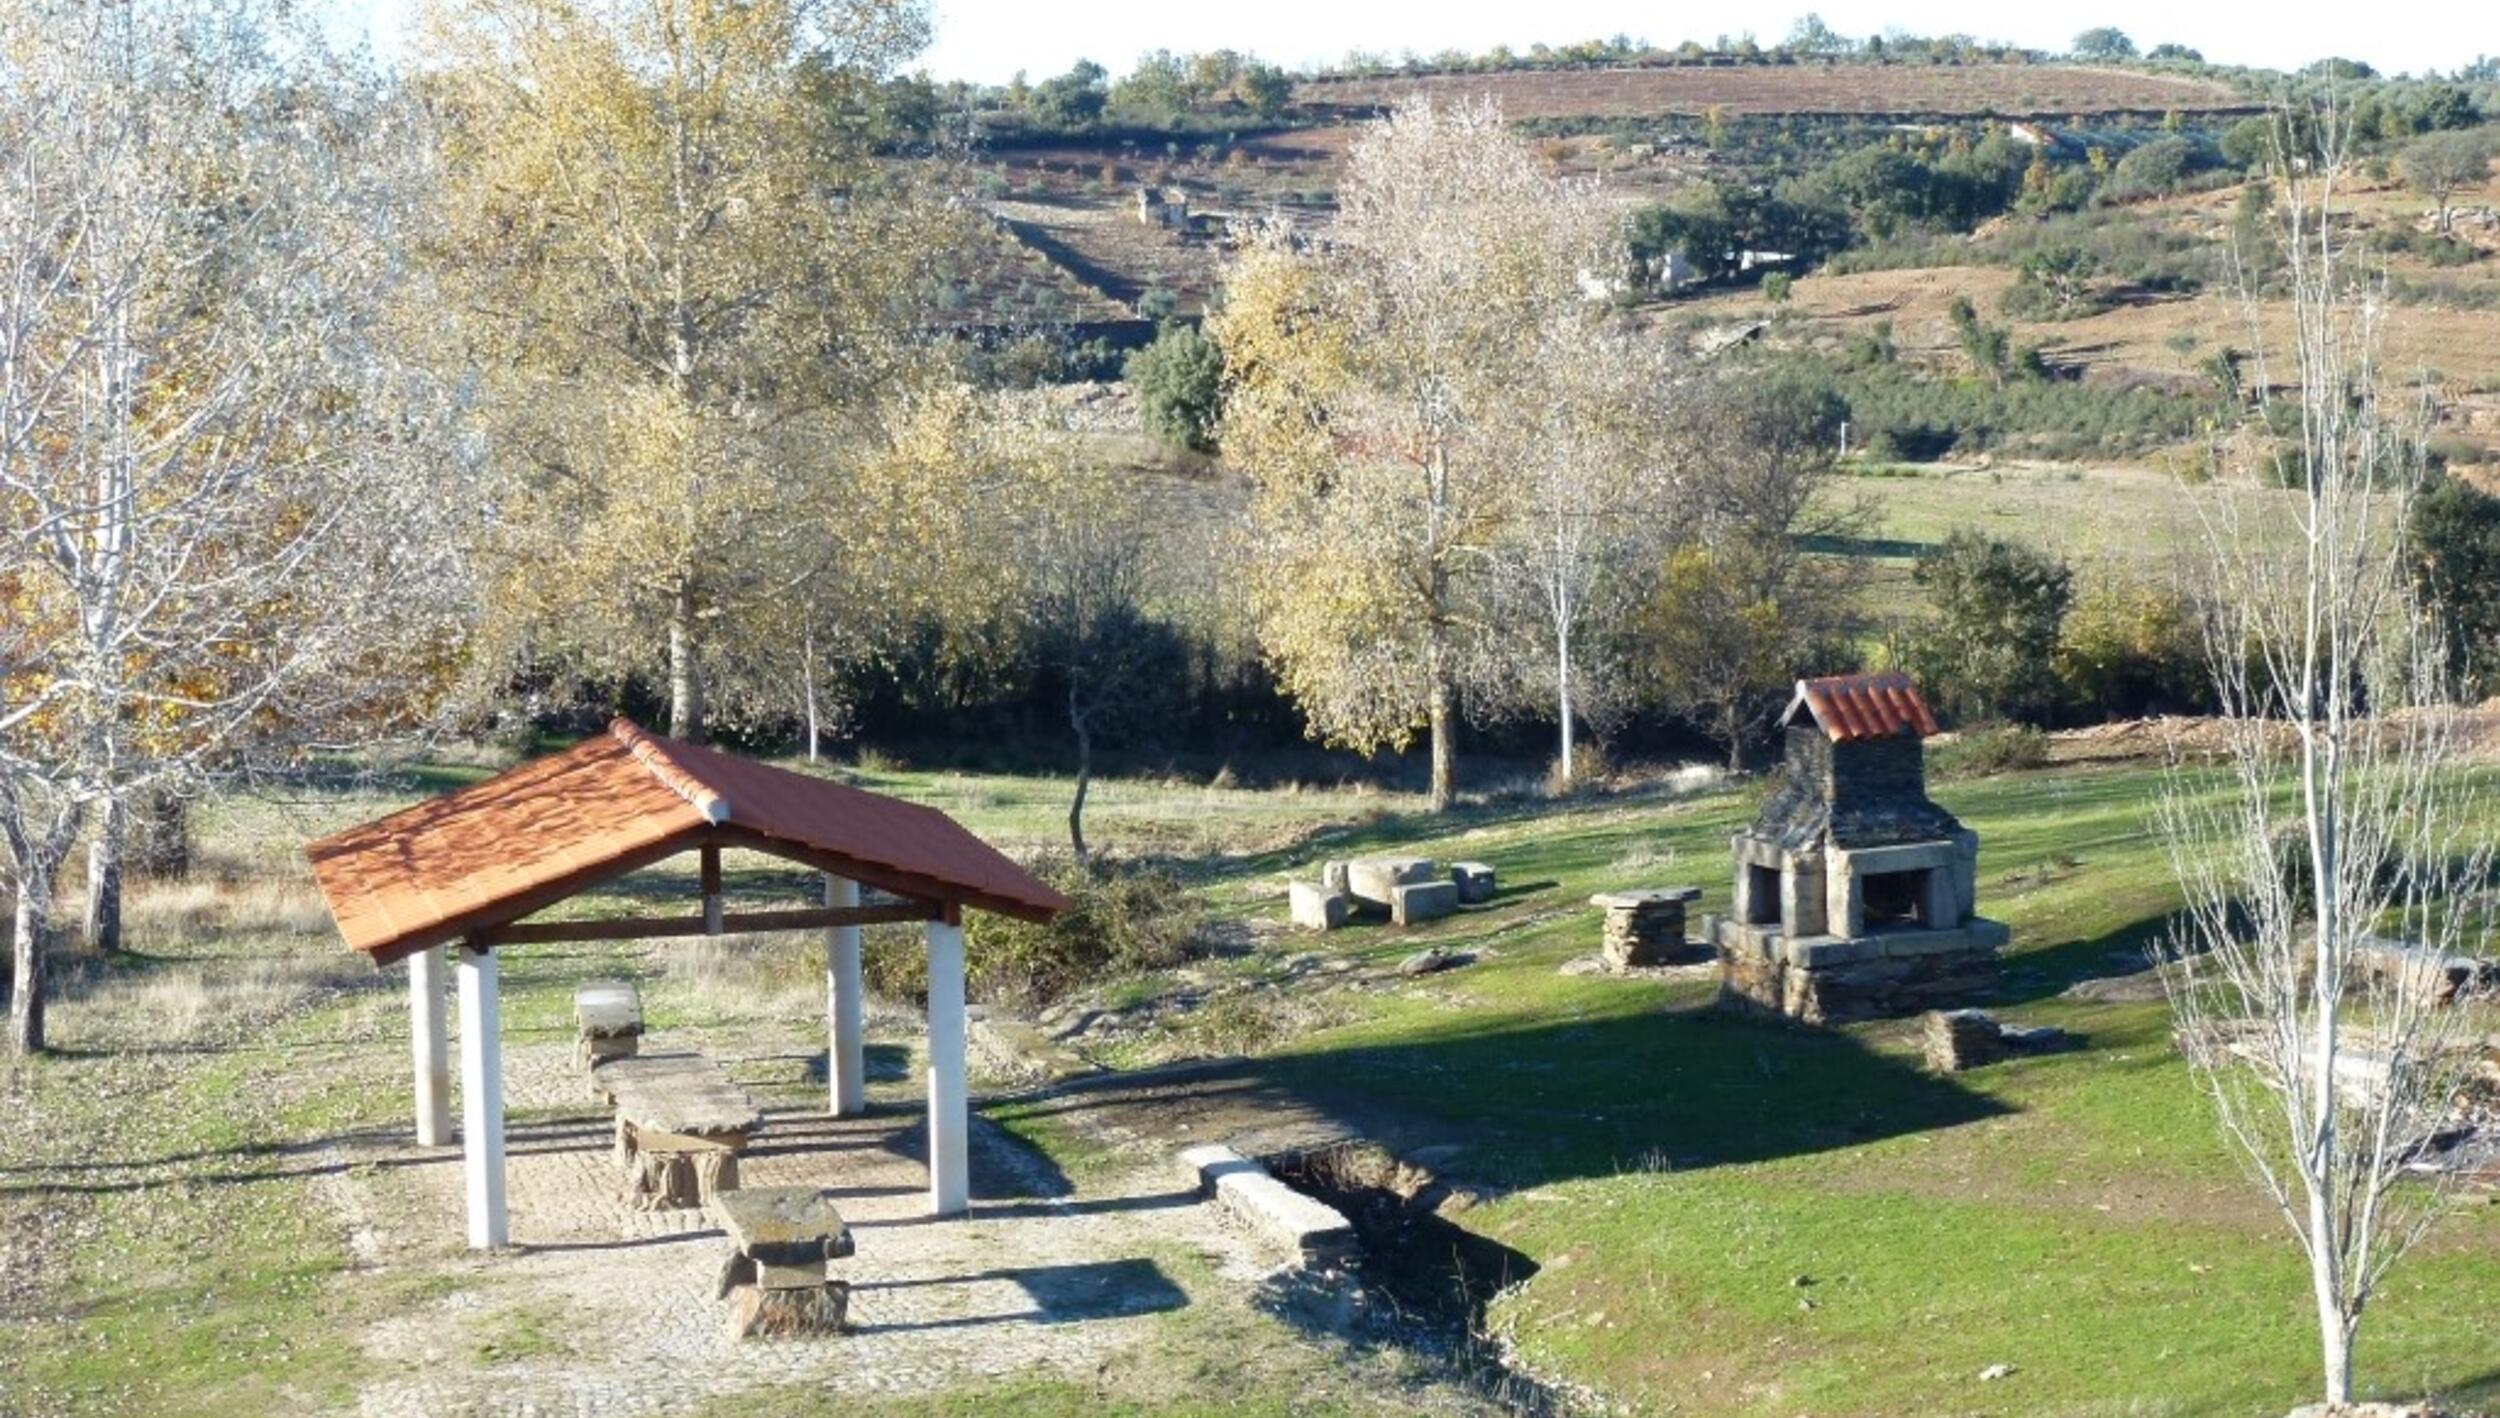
846	1050
711	891
426	1049
481	1099
950	1189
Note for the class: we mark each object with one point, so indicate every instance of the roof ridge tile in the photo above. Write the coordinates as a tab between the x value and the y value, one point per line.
648	751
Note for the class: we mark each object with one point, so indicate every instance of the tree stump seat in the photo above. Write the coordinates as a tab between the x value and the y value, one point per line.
680	1125
781	1240
607	1022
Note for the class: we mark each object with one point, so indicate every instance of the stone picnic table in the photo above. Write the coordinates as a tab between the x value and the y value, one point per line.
780	1240
680	1125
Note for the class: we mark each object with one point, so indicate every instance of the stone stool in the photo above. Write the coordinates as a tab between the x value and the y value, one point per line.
780	1240
607	1022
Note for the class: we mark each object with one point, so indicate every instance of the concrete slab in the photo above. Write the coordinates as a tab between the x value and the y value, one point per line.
1312	1230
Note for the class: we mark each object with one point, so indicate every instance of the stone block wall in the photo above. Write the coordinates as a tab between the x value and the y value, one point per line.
1828	980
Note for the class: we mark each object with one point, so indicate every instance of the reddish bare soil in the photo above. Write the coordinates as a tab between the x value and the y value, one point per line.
2010	90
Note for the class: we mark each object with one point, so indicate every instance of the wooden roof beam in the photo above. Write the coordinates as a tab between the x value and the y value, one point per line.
710	923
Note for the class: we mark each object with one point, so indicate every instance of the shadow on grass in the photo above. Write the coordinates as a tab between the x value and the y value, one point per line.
1515	1104
2052	970
1835	545
328	1155
1527	1104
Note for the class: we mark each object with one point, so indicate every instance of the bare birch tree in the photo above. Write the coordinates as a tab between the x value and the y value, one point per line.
2340	811
1599	471
216	531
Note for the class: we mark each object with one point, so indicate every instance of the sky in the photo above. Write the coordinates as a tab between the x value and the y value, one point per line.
990	40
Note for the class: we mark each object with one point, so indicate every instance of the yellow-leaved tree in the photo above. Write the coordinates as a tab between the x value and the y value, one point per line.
1370	384
691	290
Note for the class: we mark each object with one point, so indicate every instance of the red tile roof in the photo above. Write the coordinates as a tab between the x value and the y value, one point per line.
1853	707
548	829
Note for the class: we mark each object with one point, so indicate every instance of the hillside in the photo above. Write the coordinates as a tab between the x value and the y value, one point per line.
2153	317
2054	91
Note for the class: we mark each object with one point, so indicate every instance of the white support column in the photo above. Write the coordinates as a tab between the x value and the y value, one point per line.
481	1099
426	1007
846	1052
950	1181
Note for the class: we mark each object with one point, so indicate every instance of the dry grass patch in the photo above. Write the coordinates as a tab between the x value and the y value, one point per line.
210	908
721	978
174	1003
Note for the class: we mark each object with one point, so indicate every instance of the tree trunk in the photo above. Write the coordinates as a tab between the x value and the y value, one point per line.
104	878
2334	1337
156	841
1569	774
815	719
31	924
685	671
1444	723
1084	774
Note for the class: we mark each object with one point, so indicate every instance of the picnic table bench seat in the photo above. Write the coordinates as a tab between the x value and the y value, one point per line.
780	1241
607	1022
680	1125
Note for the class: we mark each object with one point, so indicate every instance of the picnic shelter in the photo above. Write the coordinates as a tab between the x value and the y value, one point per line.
468	874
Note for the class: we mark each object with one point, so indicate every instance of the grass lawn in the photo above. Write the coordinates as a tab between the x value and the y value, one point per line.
1719	1217
1699	1215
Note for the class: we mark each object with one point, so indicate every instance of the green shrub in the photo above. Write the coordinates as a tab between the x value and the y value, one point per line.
1122	919
1990	650
2455	531
1179	381
2052	283
2129	647
1986	749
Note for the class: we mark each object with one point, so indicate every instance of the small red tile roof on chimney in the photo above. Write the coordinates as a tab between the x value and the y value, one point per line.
548	829
1849	708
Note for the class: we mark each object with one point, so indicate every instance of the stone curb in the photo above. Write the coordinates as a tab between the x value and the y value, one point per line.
1312	1230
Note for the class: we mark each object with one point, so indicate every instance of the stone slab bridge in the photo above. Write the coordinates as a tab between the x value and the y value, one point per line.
469	871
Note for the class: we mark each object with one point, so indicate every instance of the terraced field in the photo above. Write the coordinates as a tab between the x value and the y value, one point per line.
2005	90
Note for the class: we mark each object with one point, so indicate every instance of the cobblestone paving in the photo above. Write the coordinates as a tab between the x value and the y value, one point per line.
613	1311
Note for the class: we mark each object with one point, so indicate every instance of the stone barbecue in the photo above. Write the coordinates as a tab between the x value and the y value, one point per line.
1854	891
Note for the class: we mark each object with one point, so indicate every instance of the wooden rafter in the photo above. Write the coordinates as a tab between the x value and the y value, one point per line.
738	922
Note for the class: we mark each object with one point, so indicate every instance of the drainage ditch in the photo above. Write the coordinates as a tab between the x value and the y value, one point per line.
1434	1278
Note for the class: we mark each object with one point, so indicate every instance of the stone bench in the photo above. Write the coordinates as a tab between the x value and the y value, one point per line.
680	1125
1314	907
780	1241
1415	902
607	1022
